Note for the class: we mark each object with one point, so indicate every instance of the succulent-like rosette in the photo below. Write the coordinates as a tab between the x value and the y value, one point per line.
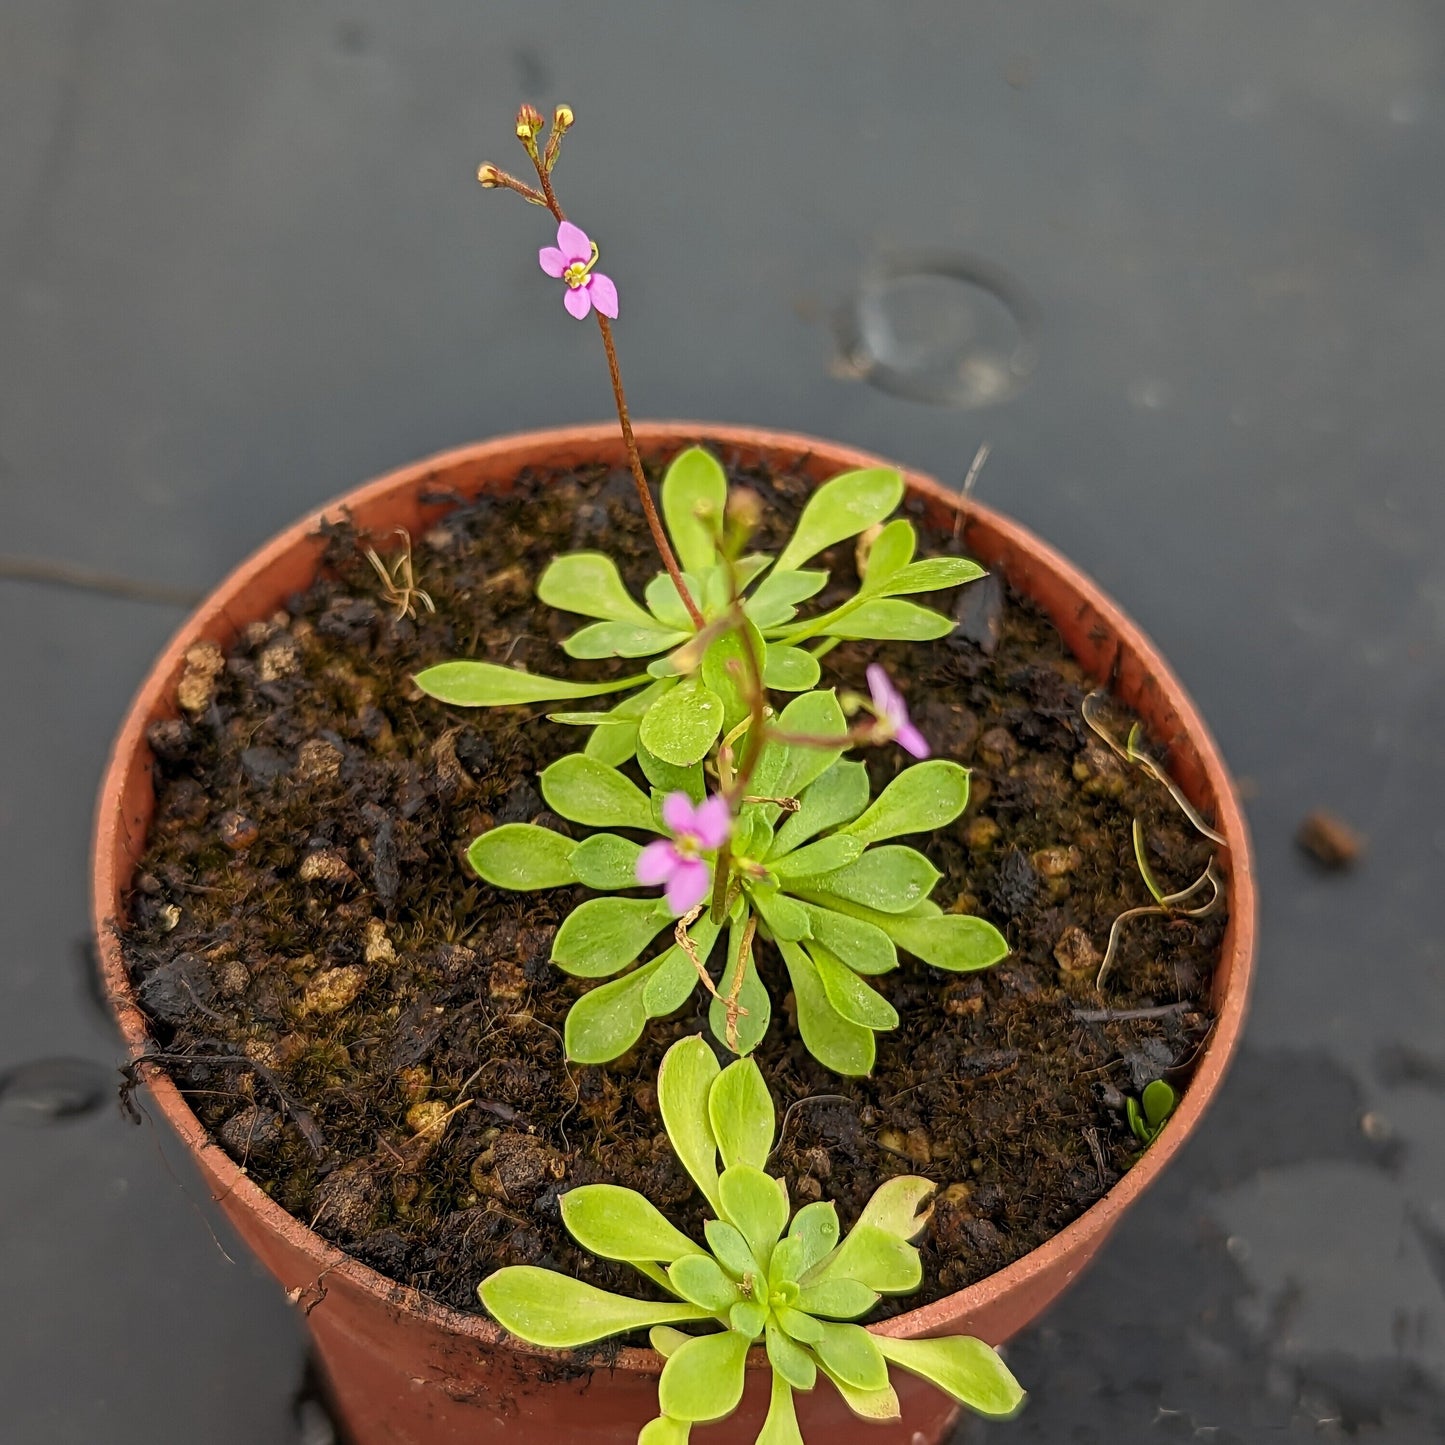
790	1282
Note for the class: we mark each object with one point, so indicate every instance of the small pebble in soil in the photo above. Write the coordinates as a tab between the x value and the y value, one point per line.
253	1131
1075	951
237	831
326	865
203	664
1330	841
332	991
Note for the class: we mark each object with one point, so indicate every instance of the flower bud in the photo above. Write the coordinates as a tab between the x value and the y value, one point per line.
562	119
745	508
529	127
489	175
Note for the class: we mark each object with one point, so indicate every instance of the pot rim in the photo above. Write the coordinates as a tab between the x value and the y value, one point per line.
151	700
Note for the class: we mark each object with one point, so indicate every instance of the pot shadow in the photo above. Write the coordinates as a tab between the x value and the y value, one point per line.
1255	1293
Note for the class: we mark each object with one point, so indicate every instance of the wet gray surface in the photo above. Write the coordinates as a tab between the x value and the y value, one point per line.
243	266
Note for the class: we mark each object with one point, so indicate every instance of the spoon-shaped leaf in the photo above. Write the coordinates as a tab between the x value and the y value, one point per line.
489	684
561	1313
704	1379
684	1079
841	508
960	1366
521	855
588	583
617	1223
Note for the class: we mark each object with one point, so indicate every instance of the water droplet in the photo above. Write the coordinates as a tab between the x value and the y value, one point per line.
48	1091
939	328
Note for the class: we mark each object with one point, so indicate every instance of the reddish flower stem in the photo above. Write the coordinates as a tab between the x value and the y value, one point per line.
644	492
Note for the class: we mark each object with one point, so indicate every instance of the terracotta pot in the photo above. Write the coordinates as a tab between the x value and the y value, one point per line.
407	1371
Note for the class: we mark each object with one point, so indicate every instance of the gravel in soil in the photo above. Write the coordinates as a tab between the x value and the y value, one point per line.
375	1034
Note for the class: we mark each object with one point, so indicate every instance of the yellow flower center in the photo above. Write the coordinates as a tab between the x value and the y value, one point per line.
576	274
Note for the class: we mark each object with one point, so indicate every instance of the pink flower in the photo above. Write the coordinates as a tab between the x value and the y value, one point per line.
572	260
892	713
674	861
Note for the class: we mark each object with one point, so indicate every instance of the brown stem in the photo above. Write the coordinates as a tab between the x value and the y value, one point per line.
644	492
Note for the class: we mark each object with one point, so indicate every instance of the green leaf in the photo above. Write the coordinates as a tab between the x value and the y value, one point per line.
755	1204
588	583
755	1007
836	1042
838	794
680	727
604	861
872	1257
883	618
827	855
699	1278
898	1206
731	1249
666	604
921	799
815	1227
892	550
957	942
605	1022
603	935
841	508
781	1425
669	778
616	1223
890	879
798	1325
614	739
963	1367
853	998
774	601
931	574
522	855
488	684
849	1352
740	1110
1158	1100
663	1431
864	947
684	1078
676	977
561	1313
666	1340
612	744
876	1405
789	1360
694	499
725	669
622	639
1135	1115
704	1379
815	714
785	918
837	1298
790	669
585	791
748	1317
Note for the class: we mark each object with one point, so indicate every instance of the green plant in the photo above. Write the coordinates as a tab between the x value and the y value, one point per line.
693	690
1149	1113
784	850
808	869
798	1293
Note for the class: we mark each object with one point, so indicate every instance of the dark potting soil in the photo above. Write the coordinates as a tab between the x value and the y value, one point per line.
375	1034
